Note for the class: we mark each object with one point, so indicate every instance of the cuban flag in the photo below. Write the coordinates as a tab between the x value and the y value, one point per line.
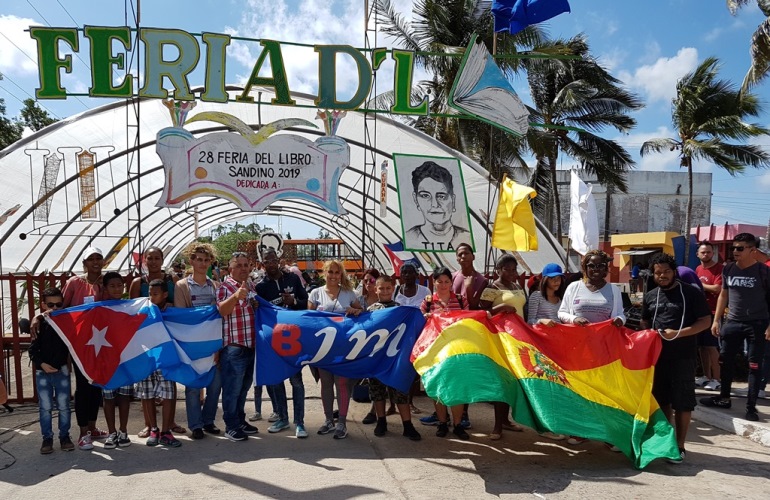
376	344
398	256
197	334
120	342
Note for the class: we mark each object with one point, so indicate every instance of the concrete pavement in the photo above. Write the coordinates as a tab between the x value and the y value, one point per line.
364	466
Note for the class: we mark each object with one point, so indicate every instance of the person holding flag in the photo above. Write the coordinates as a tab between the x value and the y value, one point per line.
235	300
679	312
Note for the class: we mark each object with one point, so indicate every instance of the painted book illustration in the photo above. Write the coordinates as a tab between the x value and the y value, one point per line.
481	90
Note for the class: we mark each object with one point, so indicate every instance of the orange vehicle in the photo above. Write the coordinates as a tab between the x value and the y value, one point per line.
311	254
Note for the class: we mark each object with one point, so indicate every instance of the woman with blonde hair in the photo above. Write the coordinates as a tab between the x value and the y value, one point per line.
336	296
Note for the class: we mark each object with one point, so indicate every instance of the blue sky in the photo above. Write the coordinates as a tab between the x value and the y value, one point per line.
648	45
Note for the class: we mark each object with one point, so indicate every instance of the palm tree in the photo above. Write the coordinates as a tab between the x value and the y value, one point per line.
440	28
574	99
760	43
708	112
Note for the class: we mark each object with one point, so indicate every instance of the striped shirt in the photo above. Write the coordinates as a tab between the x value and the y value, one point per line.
455	303
538	308
238	327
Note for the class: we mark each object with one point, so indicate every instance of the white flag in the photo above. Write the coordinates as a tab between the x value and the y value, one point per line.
583	218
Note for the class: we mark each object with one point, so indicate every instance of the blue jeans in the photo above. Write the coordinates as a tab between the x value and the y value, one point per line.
50	387
297	395
197	417
237	366
733	335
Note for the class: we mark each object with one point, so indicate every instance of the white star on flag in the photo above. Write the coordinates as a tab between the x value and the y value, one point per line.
99	340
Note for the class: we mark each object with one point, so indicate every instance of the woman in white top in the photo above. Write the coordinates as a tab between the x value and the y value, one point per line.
410	293
336	296
592	300
543	304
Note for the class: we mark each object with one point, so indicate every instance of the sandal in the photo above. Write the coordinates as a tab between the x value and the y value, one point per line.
495	436
513	426
178	429
144	433
414	410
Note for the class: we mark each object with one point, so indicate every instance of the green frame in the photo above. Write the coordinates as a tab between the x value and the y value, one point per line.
441	159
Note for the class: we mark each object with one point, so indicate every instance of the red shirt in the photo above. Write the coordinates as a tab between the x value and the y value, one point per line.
237	328
77	289
711	276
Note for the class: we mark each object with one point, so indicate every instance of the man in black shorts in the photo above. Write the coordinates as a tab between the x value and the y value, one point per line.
746	289
679	312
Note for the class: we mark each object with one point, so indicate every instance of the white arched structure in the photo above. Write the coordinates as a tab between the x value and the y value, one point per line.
127	190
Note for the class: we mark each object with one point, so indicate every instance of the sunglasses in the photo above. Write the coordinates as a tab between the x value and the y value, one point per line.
52	305
738	248
371	280
596	266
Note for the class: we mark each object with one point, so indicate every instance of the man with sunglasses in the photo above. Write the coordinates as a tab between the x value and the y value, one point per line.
746	289
49	354
284	289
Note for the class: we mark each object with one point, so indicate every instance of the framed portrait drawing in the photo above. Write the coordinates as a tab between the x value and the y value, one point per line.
434	208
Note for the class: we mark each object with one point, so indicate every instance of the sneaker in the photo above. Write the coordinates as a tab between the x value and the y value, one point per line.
256	417
740	392
465	422
152	439
716	402
99	434
168	439
430	419
370	418
555	437
198	434
326	428
211	429
682	455
236	435
300	432
574	440
85	443
47	446
443	429
278	426
713	385
66	444
341	432
381	428
459	431
752	415
112	441
123	440
274	417
411	432
701	381
249	429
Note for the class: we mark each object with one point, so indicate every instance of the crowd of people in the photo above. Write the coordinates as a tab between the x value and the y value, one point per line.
688	318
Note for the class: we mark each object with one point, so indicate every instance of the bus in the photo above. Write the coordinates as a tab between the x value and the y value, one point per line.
311	254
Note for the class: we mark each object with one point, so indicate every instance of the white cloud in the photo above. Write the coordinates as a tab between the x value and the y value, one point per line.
613	59
658	80
663	161
16	46
764	180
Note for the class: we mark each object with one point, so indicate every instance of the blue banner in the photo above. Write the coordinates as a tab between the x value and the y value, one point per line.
376	344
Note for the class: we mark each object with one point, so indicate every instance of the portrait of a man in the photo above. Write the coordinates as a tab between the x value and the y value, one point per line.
434	217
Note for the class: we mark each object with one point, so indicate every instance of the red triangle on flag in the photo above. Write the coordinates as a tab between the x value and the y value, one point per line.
97	338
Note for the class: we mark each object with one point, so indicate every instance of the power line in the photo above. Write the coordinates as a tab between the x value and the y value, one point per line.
6	77
68	13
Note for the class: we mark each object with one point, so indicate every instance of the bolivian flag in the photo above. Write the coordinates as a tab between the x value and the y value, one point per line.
594	382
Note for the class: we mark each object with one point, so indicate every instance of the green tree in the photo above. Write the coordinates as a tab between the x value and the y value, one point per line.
575	99
708	116
323	234
34	117
760	43
10	130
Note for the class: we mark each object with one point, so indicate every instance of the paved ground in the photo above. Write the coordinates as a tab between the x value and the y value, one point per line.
278	465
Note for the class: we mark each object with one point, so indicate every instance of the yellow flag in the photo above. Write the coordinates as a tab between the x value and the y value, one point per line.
514	228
